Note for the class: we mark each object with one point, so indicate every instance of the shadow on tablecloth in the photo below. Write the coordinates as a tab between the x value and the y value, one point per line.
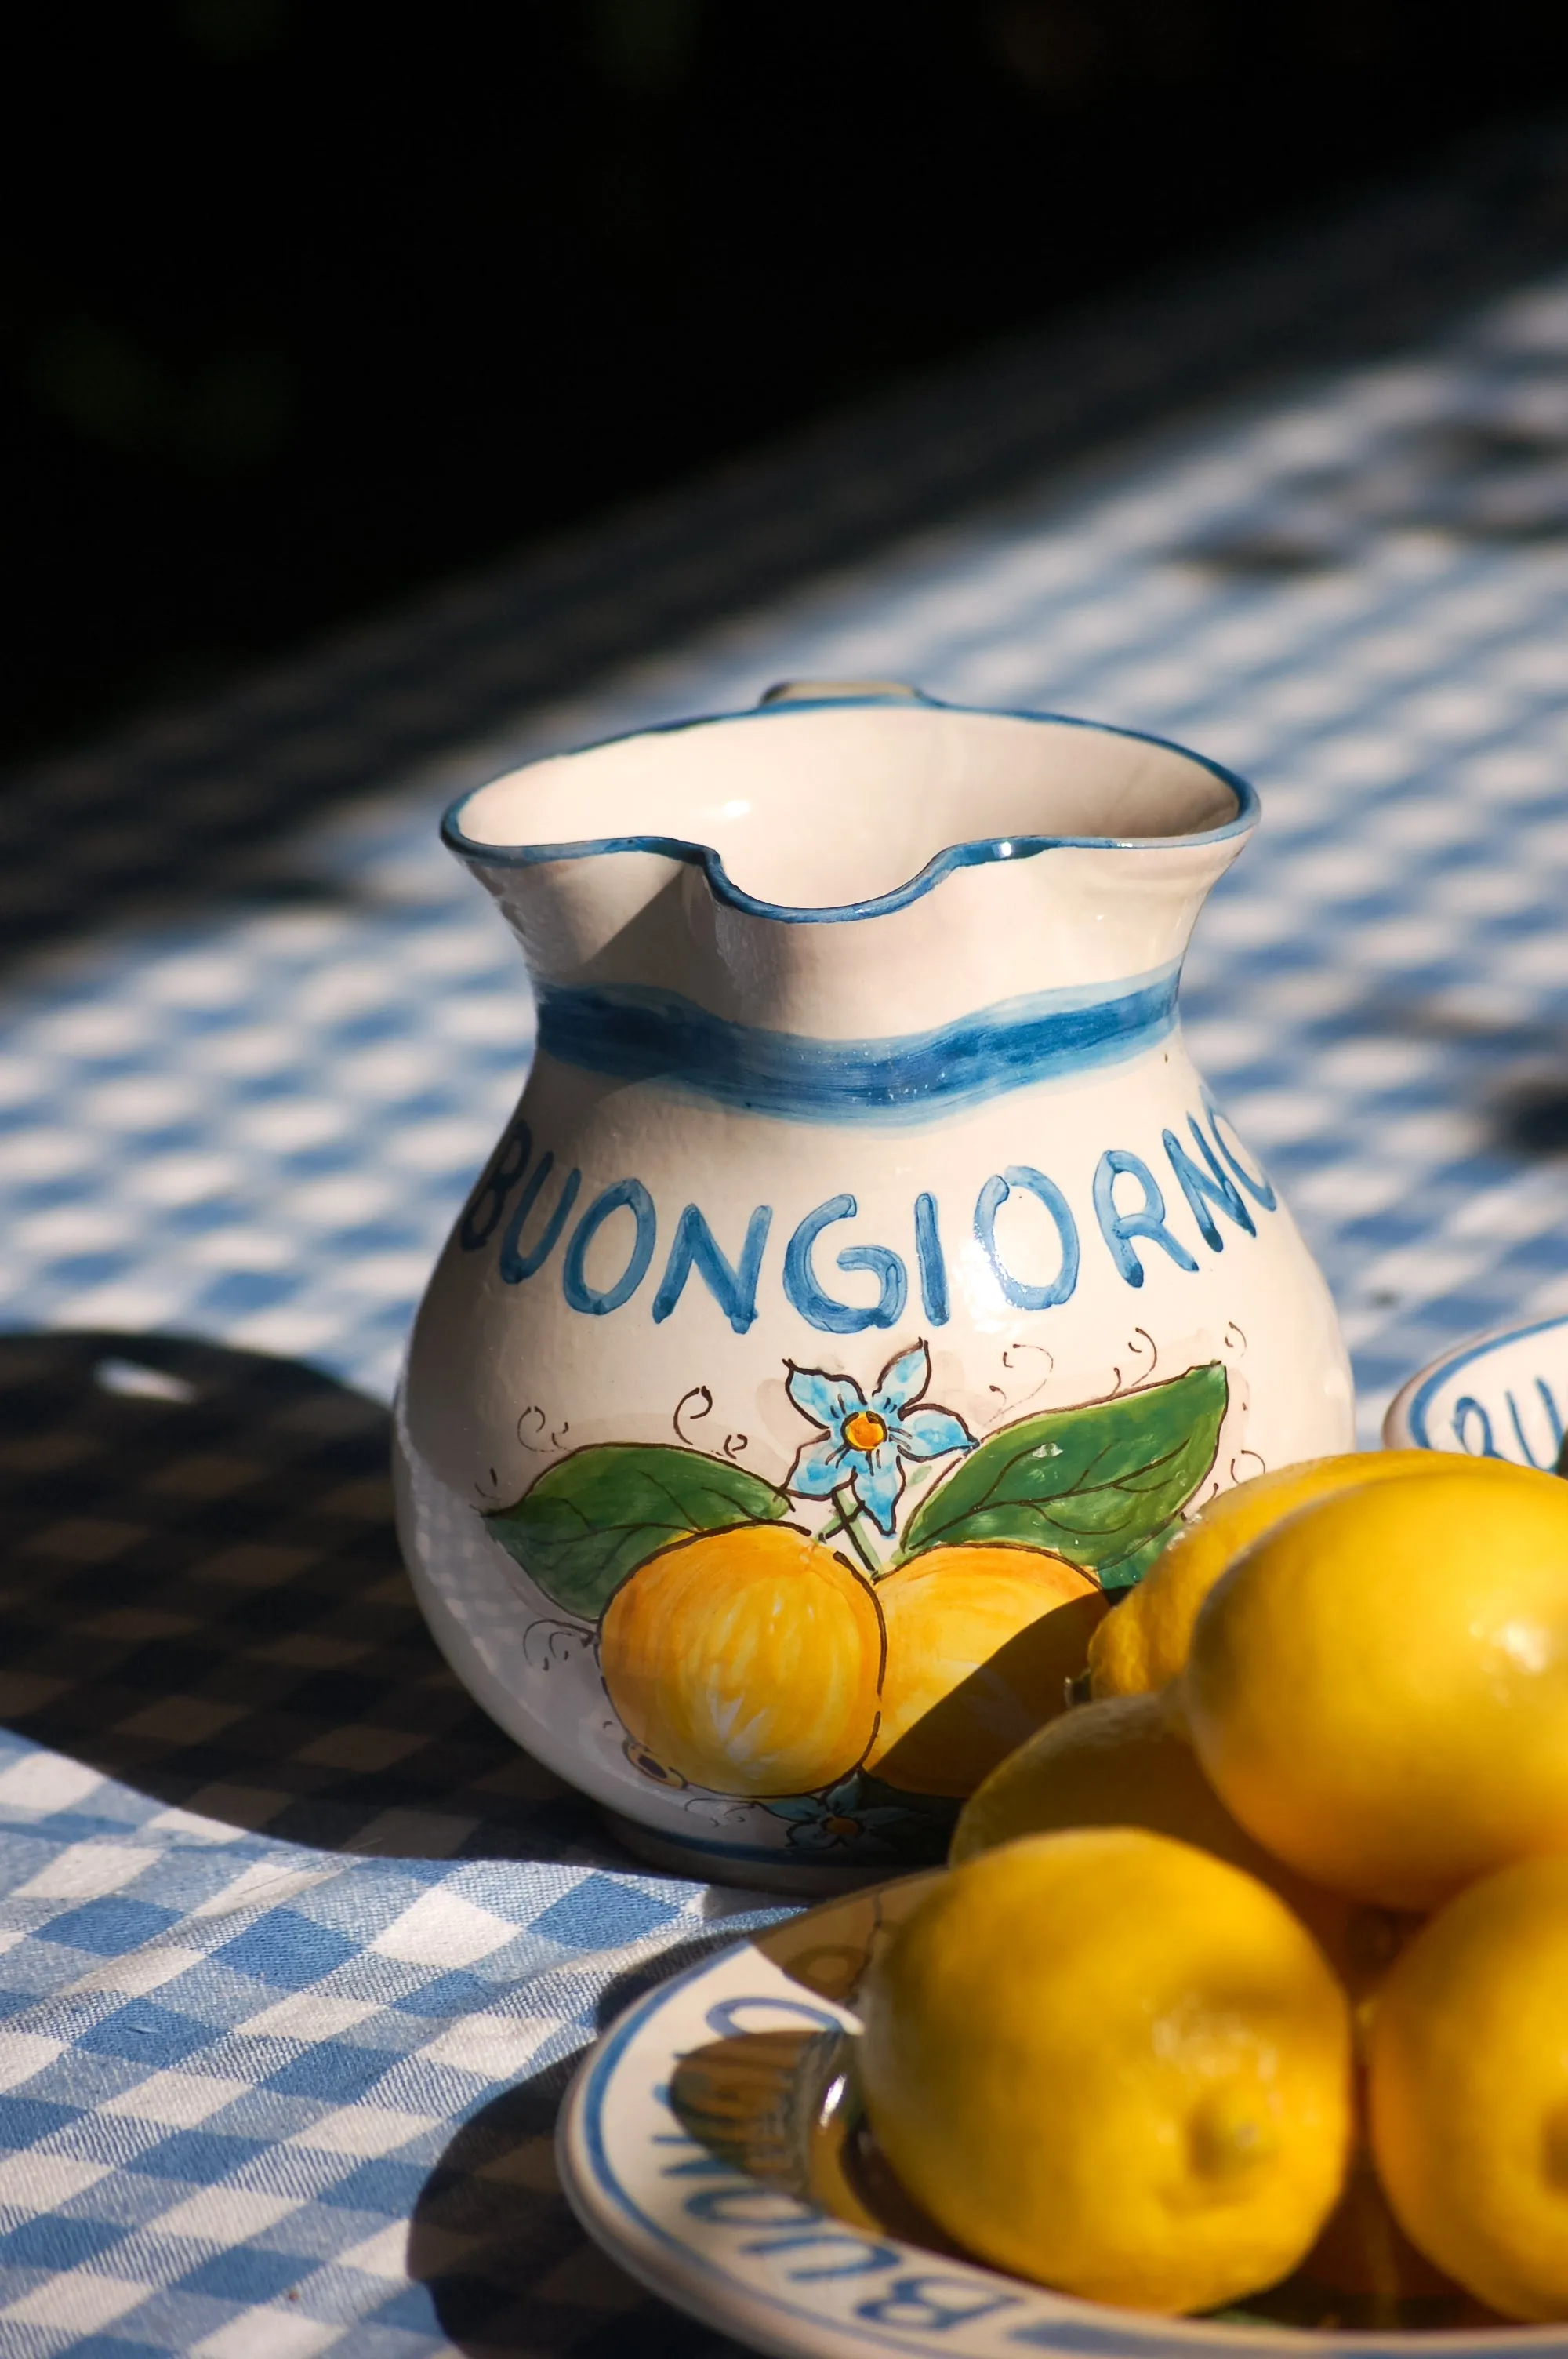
493	2239
202	1597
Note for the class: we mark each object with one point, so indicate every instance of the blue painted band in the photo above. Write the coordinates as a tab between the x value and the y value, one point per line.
634	1034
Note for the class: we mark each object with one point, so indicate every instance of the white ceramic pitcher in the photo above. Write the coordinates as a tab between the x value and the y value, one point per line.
865	1285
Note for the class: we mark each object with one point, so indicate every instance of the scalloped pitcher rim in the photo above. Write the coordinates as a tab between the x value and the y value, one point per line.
971	852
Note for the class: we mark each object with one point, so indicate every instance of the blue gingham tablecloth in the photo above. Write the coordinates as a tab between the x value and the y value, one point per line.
294	1948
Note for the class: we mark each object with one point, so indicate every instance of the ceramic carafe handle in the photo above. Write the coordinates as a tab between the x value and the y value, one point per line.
843	691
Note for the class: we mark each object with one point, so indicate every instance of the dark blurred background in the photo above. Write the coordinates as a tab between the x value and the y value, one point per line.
306	303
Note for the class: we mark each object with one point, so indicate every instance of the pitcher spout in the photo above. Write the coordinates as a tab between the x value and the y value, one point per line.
853	868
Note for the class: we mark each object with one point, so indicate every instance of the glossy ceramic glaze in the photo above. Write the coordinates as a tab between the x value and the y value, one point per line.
709	2143
864	1271
1500	1396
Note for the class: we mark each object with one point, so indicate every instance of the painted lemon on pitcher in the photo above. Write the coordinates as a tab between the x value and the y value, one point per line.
747	1660
852	1650
981	1645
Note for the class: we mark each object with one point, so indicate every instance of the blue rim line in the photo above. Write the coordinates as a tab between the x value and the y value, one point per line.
978	853
770	1854
1451	1367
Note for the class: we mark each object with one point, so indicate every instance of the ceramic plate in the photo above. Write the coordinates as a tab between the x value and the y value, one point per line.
711	2143
1498	1396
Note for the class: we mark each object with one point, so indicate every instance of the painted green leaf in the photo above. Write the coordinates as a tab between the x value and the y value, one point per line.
1094	1484
1128	1570
597	1515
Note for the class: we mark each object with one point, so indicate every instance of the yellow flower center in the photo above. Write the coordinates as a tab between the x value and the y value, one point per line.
865	1429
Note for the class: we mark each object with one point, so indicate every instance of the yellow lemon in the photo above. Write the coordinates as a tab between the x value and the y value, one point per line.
981	1644
1120	1763
1379	1687
747	1660
1112	2062
1469	2090
1144	1641
1123	1762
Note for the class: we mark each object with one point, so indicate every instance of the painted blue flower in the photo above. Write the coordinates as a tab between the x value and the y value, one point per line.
837	1819
865	1442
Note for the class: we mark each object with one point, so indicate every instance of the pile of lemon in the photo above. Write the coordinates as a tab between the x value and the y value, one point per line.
1290	1895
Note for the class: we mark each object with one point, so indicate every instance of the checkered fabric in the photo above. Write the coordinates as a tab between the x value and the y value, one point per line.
262	2099
294	1948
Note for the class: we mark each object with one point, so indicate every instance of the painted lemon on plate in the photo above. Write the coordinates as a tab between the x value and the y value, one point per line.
748	1660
